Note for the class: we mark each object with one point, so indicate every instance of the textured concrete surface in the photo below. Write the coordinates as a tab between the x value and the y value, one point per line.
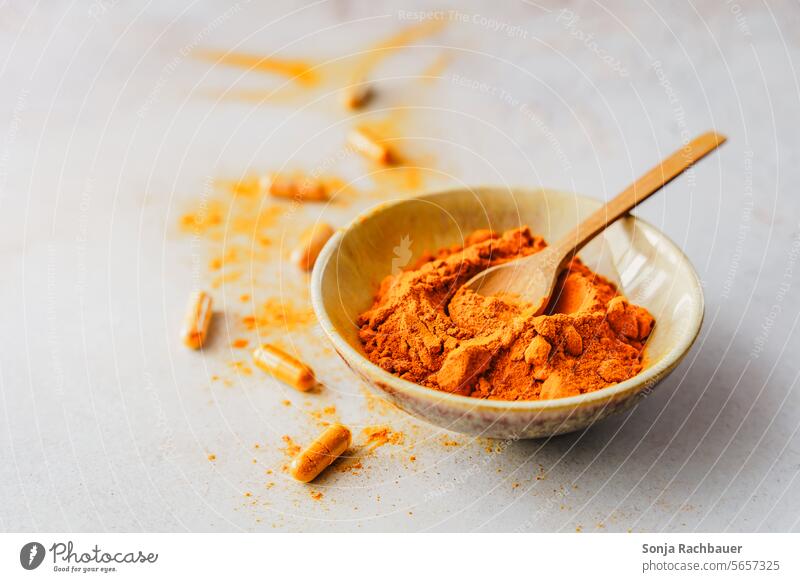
112	129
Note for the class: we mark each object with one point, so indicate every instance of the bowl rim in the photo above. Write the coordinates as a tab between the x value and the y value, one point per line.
650	375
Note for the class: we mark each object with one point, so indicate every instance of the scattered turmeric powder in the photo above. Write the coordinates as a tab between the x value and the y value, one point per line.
278	313
377	436
424	327
300	72
240	367
292	448
324	416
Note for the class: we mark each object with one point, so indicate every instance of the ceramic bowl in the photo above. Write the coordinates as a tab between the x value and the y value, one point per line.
649	269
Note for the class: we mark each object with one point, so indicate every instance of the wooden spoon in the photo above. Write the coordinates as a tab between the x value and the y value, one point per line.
532	278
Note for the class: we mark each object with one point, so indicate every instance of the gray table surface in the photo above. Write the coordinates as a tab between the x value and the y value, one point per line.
111	129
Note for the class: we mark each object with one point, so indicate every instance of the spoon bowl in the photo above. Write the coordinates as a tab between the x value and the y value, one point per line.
532	278
647	267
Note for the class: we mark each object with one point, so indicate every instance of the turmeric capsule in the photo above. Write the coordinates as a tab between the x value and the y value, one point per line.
311	461
284	367
198	317
294	187
306	254
367	144
356	95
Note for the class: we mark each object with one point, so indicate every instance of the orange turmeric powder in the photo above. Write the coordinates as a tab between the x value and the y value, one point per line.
426	328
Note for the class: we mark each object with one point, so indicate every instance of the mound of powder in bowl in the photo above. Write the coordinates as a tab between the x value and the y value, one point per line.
425	328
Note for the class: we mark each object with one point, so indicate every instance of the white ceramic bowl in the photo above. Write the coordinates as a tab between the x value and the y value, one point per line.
649	269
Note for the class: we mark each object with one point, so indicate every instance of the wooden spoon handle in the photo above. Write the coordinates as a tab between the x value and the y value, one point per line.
640	190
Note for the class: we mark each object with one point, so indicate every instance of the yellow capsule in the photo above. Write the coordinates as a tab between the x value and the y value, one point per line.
305	255
284	367
367	144
294	187
356	95
198	317
311	461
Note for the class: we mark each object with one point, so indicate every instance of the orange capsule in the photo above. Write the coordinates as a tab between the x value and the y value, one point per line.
311	461
366	143
305	255
356	95
294	187
284	367
197	320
